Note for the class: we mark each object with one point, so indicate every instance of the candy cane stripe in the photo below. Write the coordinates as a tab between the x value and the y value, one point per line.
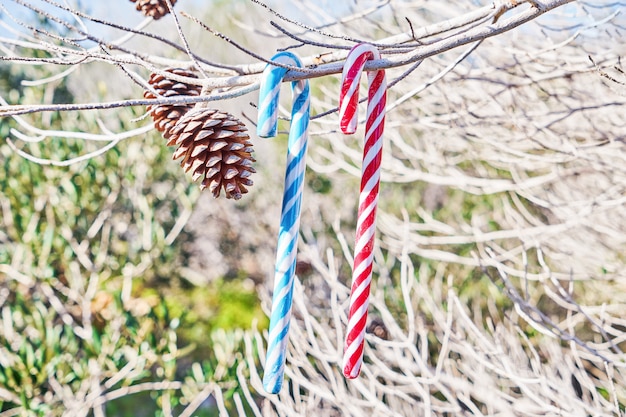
291	205
368	199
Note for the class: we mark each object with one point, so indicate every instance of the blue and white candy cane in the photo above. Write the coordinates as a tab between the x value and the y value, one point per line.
292	201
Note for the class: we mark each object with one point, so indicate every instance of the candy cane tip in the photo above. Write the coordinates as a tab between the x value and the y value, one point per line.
347	129
272	383
271	389
351	373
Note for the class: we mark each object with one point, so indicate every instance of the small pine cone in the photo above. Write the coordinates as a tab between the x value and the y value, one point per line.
155	9
165	116
378	328
214	145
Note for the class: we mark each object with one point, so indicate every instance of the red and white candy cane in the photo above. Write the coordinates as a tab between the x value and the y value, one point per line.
368	200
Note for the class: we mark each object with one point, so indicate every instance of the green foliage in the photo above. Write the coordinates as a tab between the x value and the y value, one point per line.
224	304
50	356
89	259
223	366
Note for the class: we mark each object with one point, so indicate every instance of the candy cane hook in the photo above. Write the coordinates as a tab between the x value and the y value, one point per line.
368	199
292	201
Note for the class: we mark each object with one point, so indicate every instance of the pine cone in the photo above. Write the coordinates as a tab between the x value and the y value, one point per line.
216	145
378	328
153	8
165	116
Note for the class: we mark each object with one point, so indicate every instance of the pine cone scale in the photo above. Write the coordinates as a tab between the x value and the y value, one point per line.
216	145
230	173
183	137
175	114
229	123
232	159
179	152
213	171
237	146
195	164
229	187
223	134
210	123
192	126
214	159
246	174
204	134
198	149
248	164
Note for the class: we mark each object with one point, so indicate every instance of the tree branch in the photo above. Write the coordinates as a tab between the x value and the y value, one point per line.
319	65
